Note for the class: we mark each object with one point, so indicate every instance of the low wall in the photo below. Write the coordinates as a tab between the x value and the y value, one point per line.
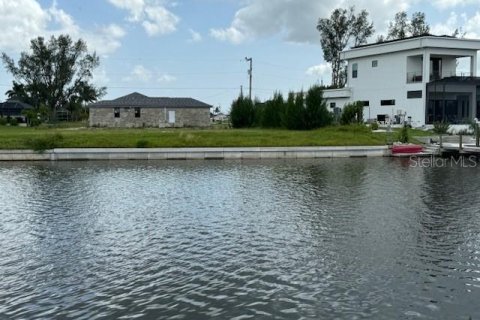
193	153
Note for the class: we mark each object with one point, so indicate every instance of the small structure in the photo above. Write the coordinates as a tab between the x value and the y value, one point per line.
219	117
418	80
138	110
14	109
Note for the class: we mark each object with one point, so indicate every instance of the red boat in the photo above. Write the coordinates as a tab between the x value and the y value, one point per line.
406	148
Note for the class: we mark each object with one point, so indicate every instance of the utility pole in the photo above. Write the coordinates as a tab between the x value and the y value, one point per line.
250	72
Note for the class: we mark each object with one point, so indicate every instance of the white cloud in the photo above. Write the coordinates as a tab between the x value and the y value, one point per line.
155	18
448	27
446	4
166	78
24	20
194	36
106	40
323	69
469	25
232	35
21	21
139	73
142	74
135	7
472	26
296	20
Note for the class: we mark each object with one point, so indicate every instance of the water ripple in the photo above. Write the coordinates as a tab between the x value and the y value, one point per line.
343	238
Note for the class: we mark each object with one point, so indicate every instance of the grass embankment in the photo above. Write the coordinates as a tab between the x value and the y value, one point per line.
60	137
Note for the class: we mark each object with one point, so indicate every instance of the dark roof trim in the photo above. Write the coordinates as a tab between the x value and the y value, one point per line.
457	80
139	100
408	38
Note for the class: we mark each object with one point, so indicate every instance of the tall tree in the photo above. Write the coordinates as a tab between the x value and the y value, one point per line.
316	112
55	73
295	111
343	27
398	29
418	25
401	27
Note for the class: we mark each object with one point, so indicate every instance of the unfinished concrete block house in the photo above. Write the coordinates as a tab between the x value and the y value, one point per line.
138	110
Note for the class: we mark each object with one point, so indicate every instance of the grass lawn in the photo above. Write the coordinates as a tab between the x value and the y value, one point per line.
77	137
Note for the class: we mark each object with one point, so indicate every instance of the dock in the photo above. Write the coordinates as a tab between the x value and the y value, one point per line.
452	145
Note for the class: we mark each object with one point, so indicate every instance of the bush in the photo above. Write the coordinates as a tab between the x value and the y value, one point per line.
273	112
3	121
352	113
404	134
142	143
374	125
242	113
316	112
13	122
40	144
295	112
441	127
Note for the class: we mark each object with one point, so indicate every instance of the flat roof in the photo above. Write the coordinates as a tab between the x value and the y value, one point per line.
412	43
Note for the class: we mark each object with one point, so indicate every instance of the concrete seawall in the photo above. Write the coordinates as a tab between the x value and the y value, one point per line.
192	153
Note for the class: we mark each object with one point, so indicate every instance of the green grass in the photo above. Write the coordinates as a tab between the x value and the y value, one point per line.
21	137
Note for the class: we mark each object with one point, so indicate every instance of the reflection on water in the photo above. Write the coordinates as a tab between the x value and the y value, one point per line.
343	238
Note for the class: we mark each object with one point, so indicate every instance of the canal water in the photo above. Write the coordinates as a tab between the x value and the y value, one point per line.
312	239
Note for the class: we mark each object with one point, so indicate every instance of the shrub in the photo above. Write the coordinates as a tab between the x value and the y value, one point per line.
242	113
3	121
142	143
295	112
352	113
13	122
374	125
404	134
441	127
273	112
47	142
316	112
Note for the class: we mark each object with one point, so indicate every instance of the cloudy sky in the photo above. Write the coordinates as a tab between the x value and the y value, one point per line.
197	48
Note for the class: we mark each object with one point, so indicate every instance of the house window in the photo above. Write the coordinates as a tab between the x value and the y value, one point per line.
333	105
365	103
387	102
374	63
355	70
416	94
116	112
137	112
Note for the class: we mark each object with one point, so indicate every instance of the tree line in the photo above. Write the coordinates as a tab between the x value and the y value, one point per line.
298	111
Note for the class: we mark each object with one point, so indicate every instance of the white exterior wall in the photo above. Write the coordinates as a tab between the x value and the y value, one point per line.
396	61
387	81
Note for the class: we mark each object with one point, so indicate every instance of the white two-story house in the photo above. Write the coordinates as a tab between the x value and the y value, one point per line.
416	79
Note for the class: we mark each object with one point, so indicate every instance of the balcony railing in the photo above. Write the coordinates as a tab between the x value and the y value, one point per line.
437	76
417	77
414	77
